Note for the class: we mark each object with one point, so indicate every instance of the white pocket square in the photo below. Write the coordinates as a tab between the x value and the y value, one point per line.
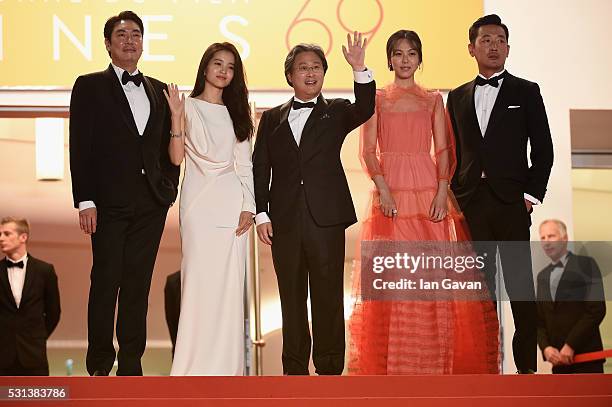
514	106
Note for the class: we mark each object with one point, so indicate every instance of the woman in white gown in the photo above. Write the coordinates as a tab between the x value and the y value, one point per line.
211	131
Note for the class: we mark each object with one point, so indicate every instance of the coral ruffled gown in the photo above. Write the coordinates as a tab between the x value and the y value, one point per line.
409	143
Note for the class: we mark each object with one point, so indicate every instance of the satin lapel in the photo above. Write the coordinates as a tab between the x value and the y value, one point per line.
4	281
121	100
150	91
283	125
29	276
570	267
546	290
314	117
470	111
501	104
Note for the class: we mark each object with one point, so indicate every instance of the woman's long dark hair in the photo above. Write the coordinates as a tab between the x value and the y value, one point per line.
235	95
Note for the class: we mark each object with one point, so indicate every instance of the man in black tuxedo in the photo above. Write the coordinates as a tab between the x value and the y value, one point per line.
123	184
29	303
304	211
494	117
571	304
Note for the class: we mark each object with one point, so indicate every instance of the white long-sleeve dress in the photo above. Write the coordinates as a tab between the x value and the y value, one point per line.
217	186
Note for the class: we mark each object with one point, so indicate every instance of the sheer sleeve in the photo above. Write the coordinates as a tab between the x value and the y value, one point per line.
444	141
369	145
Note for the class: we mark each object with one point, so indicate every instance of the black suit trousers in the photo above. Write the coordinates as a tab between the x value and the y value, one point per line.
17	369
586	367
311	255
492	220
124	250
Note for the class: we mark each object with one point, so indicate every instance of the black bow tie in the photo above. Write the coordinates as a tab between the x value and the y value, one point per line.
9	264
299	105
126	77
557	264
493	81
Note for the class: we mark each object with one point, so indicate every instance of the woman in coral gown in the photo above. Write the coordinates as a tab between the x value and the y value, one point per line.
408	152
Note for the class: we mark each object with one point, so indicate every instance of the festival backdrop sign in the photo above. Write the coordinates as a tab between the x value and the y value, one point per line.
50	42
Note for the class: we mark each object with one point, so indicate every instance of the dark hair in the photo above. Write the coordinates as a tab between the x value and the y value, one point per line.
114	20
491	19
235	96
409	35
110	24
298	49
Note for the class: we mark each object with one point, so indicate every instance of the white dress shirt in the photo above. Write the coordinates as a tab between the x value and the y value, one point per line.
298	117
16	277
555	276
140	107
137	98
484	100
297	120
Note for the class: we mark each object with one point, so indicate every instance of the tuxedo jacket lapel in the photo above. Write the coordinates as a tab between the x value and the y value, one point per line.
283	125
501	104
6	285
148	87
315	115
546	294
121	100
570	267
30	270
469	114
570	271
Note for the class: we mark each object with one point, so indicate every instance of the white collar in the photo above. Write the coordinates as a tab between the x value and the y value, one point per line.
119	71
295	98
24	259
563	260
494	75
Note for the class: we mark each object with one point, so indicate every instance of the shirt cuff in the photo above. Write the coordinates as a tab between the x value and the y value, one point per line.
366	76
532	199
261	218
86	205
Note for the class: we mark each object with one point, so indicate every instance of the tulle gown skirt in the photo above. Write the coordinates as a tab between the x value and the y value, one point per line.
419	337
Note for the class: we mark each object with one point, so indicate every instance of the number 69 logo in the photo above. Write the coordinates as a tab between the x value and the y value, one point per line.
299	19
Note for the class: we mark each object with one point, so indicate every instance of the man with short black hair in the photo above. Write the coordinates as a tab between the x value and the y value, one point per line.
29	303
305	210
494	118
123	184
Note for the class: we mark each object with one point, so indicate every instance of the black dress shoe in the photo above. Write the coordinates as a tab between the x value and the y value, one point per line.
528	371
100	373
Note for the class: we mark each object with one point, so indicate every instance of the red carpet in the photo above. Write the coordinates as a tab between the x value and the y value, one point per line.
412	391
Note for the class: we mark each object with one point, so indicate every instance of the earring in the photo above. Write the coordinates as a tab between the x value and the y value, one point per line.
391	67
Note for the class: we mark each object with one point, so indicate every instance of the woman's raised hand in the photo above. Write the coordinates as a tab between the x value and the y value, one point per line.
176	101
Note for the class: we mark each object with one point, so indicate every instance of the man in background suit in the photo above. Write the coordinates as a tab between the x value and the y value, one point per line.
304	212
571	304
29	303
123	184
494	117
